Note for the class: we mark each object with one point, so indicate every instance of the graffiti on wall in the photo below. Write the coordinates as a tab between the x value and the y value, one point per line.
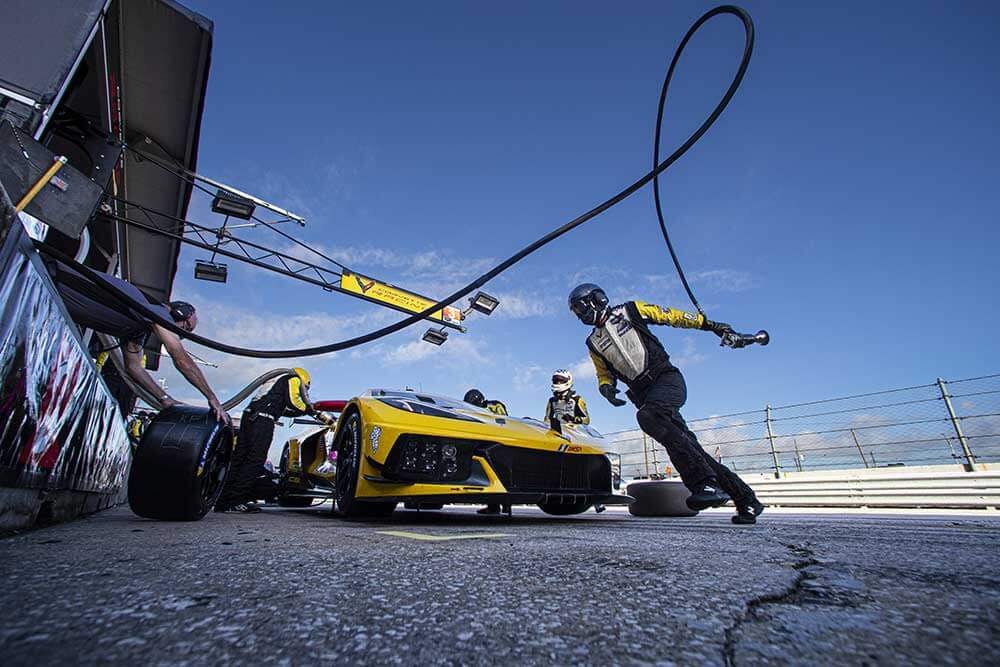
59	426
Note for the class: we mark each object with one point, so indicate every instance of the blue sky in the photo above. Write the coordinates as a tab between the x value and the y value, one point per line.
846	201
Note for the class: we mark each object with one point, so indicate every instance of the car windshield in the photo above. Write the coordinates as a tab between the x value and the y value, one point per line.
441	401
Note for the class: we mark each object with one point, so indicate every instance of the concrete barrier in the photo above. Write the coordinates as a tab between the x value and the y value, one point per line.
919	486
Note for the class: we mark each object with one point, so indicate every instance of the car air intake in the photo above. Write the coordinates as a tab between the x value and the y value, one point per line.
529	470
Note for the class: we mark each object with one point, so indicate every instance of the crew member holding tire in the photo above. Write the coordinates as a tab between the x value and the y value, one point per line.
92	306
623	348
285	396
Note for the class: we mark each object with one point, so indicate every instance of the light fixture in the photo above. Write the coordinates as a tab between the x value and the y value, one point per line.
435	336
227	203
204	270
483	303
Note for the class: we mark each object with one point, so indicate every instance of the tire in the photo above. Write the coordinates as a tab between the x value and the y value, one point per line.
348	446
180	465
283	462
564	509
295	501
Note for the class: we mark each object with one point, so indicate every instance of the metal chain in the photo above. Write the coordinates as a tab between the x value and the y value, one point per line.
24	151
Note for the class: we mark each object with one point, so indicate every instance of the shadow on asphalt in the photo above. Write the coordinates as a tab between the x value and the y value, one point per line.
460	518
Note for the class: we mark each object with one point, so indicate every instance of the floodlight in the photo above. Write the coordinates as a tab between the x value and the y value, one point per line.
435	336
204	270
227	203
484	303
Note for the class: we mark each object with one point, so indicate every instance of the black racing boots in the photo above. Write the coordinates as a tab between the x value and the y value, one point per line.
747	514
707	495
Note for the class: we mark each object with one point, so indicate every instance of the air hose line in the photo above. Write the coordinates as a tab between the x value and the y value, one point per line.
658	169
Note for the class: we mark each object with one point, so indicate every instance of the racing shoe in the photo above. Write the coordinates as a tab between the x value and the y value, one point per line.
247	508
707	496
747	514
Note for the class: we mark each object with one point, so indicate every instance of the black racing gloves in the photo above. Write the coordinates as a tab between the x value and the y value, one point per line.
609	391
720	329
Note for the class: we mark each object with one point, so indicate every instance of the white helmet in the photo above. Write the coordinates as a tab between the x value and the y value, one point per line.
562	380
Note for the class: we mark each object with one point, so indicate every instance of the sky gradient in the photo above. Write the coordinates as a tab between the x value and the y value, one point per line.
846	201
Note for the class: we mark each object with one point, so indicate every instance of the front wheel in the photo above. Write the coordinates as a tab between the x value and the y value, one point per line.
348	446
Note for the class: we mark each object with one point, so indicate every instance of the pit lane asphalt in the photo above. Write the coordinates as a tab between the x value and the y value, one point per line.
297	587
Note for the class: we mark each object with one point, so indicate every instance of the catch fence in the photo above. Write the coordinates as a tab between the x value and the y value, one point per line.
943	422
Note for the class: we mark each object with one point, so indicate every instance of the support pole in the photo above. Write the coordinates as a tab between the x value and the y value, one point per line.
860	451
645	455
770	439
57	164
970	460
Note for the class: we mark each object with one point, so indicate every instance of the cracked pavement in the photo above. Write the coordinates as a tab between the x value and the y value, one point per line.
297	587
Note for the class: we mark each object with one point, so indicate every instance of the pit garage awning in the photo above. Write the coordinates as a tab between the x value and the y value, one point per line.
148	60
165	54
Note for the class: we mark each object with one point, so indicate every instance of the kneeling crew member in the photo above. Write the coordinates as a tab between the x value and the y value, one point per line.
285	396
566	405
623	348
476	397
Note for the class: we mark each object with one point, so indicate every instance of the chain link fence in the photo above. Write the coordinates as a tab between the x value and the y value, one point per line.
943	422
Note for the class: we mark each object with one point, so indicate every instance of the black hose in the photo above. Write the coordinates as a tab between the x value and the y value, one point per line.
747	51
499	268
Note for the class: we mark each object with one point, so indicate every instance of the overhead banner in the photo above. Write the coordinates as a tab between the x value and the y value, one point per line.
400	299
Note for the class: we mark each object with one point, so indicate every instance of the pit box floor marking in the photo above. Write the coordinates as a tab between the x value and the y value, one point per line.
441	538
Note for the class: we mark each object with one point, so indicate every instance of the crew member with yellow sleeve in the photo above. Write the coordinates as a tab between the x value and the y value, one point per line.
285	396
623	348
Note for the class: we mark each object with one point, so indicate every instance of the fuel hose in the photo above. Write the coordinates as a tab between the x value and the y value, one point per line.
659	168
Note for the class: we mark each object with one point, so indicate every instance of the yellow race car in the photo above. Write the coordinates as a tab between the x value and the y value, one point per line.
426	450
387	447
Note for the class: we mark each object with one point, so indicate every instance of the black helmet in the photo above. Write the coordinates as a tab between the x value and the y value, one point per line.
475	397
589	303
180	310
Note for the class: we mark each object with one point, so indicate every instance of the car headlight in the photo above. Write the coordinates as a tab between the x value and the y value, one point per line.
420	457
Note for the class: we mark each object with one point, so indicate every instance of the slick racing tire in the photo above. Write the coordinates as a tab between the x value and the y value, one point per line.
556	508
180	465
349	452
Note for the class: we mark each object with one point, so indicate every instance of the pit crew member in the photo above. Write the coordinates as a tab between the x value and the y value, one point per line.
565	405
91	307
285	396
623	348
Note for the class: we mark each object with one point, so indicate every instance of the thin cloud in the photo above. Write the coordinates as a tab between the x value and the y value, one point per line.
526	377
